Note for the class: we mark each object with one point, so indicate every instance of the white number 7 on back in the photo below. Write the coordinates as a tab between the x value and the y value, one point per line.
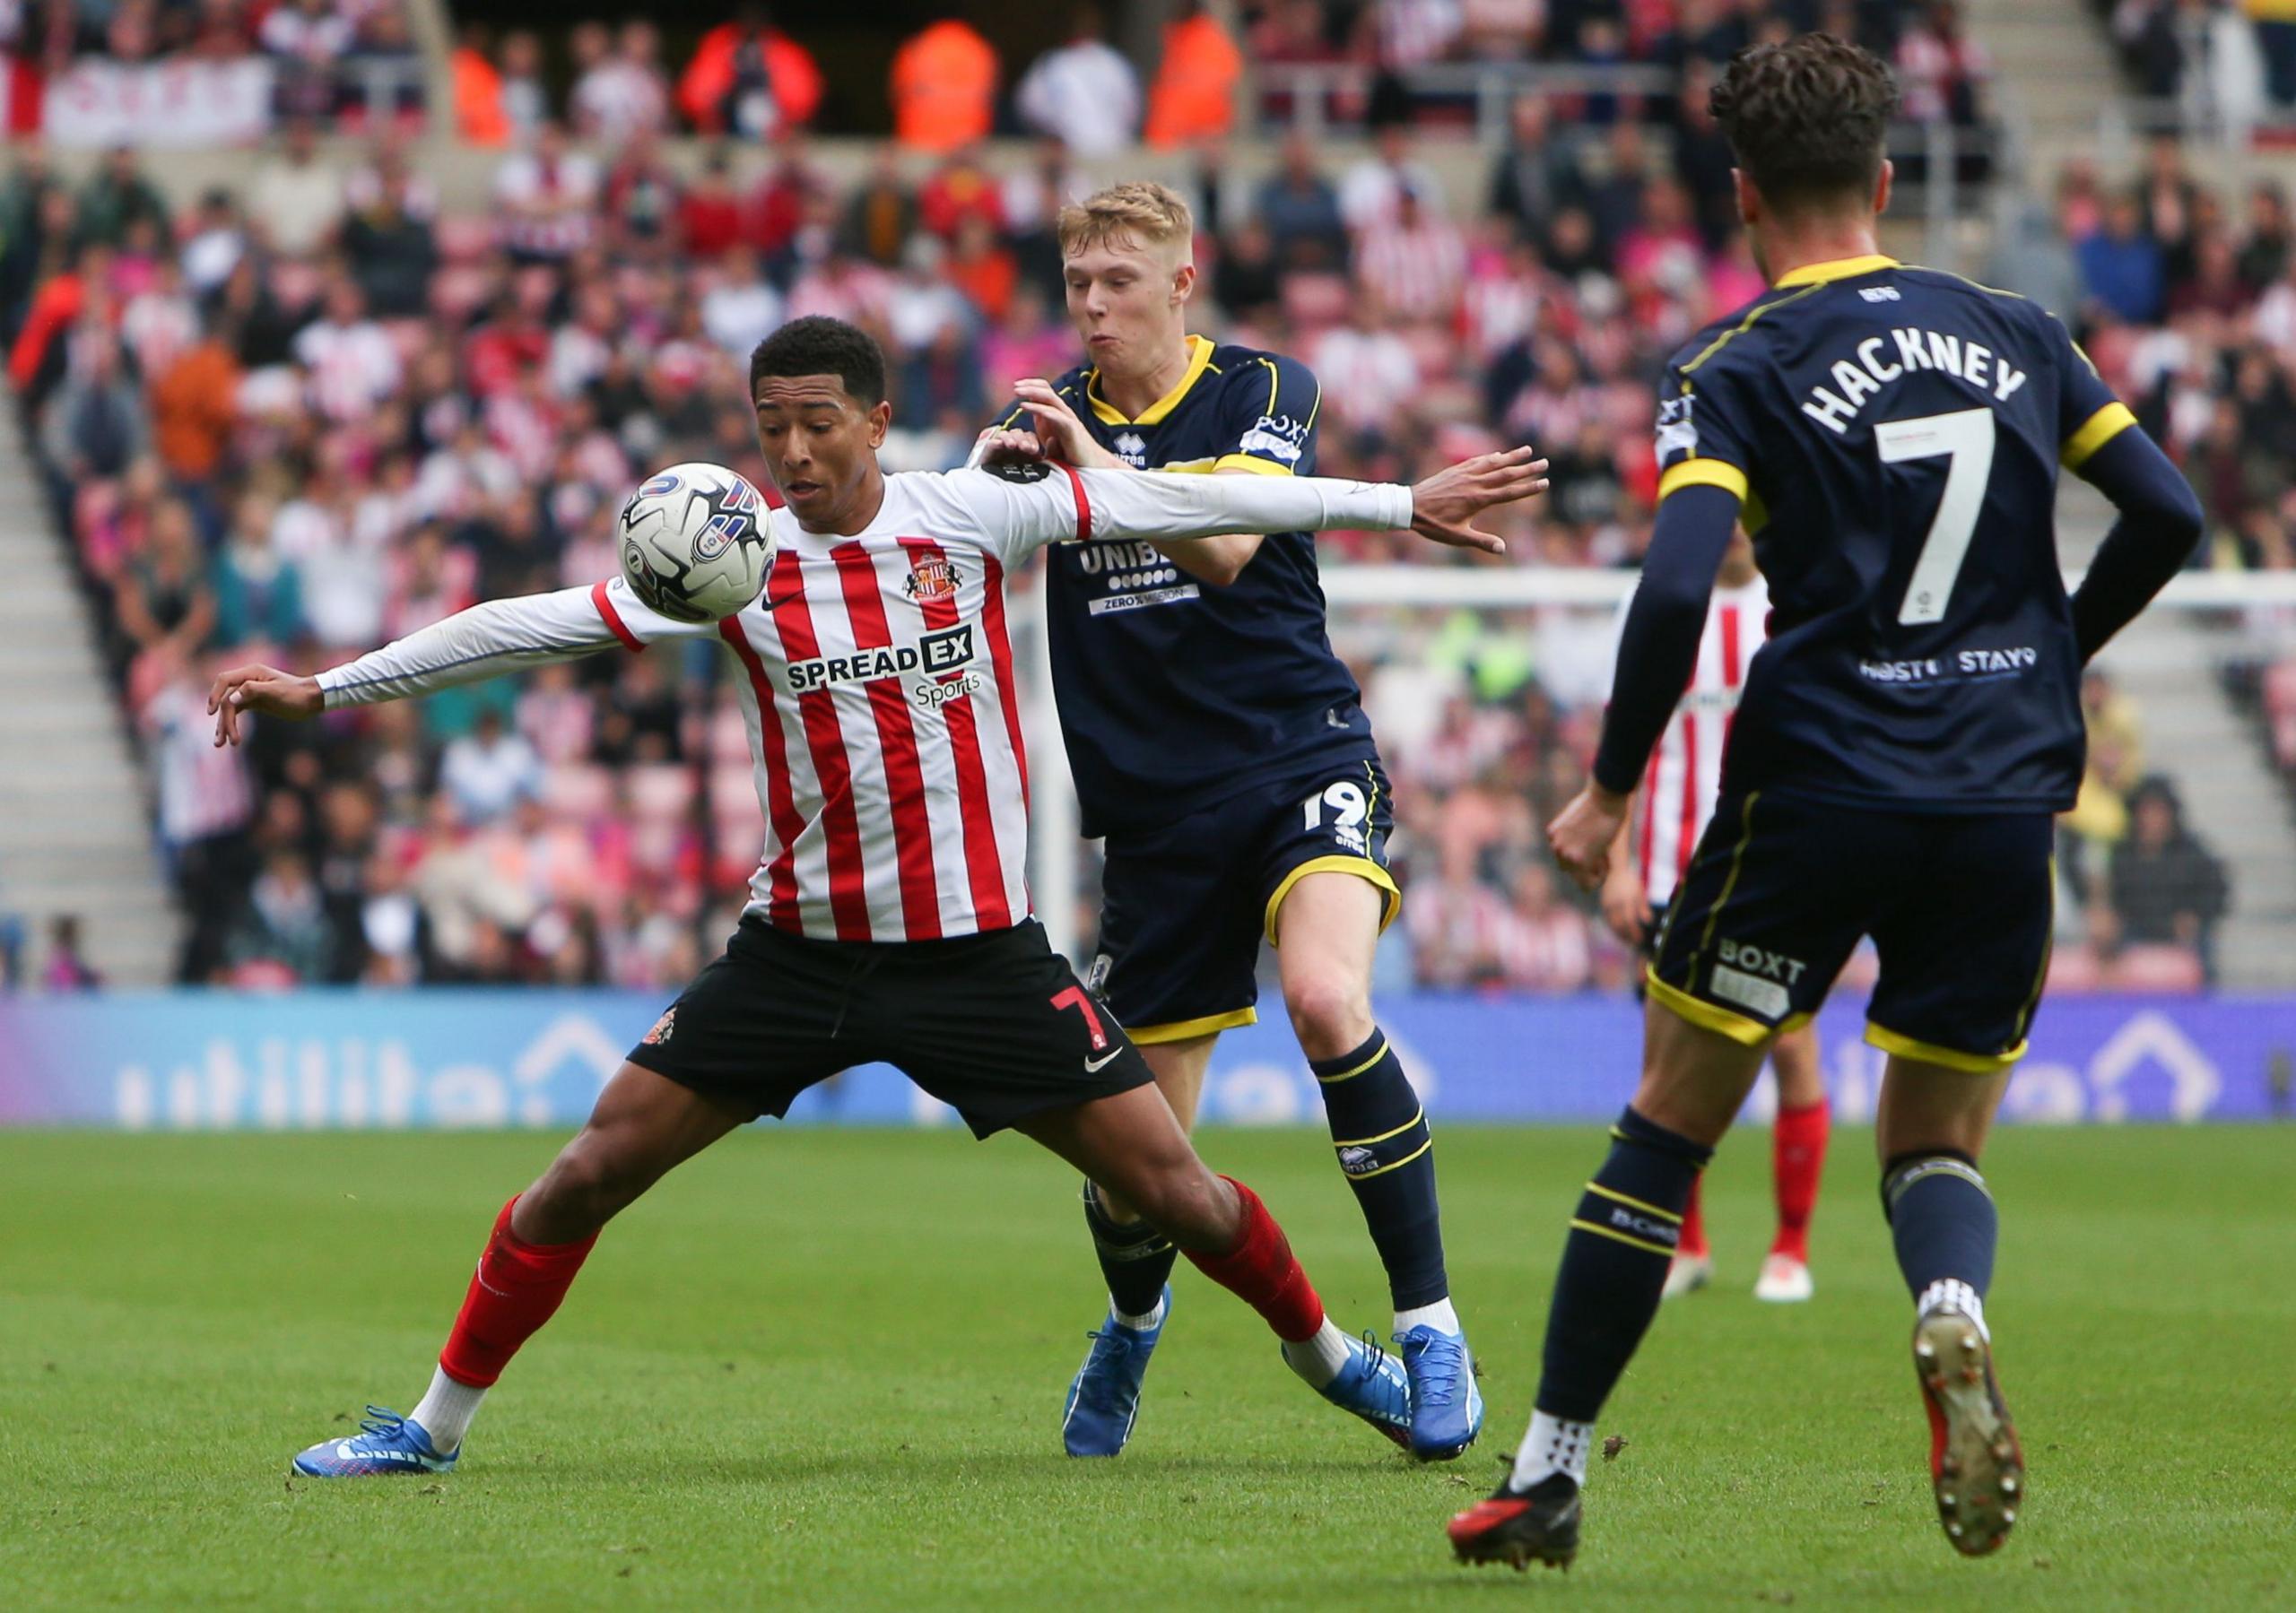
1966	440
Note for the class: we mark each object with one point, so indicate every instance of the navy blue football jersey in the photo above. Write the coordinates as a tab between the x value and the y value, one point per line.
1175	694
1895	433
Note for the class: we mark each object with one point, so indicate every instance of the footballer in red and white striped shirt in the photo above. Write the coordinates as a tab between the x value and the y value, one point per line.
1661	835
889	921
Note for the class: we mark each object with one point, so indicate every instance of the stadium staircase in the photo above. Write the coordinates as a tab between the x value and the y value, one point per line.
75	820
2055	72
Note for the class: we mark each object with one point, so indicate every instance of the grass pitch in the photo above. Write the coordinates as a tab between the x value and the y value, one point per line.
824	1369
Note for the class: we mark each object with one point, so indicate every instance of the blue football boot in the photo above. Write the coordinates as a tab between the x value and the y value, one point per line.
1104	1397
1372	1385
1445	1405
385	1443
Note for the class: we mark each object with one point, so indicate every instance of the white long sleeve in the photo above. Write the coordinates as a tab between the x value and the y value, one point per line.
1017	517
499	636
1147	504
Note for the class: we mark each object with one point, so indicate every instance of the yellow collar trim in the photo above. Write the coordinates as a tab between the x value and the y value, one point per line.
1199	356
1840	268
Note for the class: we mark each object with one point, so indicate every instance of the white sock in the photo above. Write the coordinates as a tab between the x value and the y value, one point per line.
1439	1317
1317	1360
1141	1323
446	1412
1953	1291
1551	1446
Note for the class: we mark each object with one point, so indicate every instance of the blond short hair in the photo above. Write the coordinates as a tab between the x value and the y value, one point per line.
1139	212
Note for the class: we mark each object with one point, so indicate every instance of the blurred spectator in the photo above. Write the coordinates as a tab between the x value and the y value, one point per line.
1544	945
1416	266
282	937
1302	210
750	79
943	87
117	197
2122	266
489	770
1370	194
1082	92
1536	175
206	800
163	600
2165	888
194	407
2275	28
548	196
620	89
258	591
294	197
66	969
525	104
475	90
96	421
1194	96
390	245
1942	72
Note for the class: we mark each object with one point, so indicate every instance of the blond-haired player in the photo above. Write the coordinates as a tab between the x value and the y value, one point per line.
1220	750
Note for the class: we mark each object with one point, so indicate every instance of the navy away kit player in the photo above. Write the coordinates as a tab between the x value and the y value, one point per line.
1891	435
1220	751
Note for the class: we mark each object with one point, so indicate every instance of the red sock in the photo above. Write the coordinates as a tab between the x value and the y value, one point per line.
1262	1272
1694	1239
1797	1158
516	1290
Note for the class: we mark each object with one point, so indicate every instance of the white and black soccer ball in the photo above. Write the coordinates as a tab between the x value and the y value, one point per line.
695	544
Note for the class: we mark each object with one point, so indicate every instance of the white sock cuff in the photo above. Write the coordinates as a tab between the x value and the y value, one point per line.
1439	1315
1952	1291
1552	1445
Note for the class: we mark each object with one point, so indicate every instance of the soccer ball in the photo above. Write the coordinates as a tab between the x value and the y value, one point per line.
695	544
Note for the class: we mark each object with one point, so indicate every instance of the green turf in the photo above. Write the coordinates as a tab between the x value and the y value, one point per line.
824	1369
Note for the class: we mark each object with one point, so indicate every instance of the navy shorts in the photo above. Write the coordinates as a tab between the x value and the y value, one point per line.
1184	907
1781	891
996	1025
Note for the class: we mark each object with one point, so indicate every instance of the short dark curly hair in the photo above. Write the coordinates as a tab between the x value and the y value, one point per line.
816	345
1807	119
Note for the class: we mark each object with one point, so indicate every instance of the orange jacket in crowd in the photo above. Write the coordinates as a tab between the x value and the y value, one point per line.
708	78
194	409
477	90
943	88
1194	96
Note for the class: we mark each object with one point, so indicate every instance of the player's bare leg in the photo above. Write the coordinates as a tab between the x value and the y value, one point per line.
1797	1160
643	1126
1327	931
1614	1263
1133	1142
1930	1129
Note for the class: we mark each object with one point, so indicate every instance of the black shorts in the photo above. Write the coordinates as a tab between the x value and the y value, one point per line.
1781	891
1185	906
997	1026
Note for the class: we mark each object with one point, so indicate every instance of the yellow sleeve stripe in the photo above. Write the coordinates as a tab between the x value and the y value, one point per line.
2102	426
1248	462
1704	473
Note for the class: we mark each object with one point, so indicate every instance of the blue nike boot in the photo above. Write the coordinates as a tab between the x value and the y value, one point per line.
387	1442
1445	1405
1372	1385
1104	1397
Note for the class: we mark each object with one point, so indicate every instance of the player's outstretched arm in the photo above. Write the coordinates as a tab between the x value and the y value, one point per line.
2160	523
1442	509
496	637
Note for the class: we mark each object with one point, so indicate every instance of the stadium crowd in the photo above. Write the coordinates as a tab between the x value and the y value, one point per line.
304	416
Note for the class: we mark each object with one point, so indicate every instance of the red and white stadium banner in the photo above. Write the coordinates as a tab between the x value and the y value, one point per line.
177	103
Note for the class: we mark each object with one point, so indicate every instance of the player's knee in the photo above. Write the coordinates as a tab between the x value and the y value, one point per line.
588	1185
1187	1204
1330	1010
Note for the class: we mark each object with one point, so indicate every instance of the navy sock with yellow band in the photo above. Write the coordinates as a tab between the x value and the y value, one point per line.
1387	1155
1615	1264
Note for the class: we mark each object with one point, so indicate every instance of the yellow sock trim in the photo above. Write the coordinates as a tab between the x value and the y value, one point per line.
1664	1215
1365	1143
1355	1070
1398	1165
1632	1242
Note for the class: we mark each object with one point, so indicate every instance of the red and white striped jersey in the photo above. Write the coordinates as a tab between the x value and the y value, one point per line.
883	718
1685	771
